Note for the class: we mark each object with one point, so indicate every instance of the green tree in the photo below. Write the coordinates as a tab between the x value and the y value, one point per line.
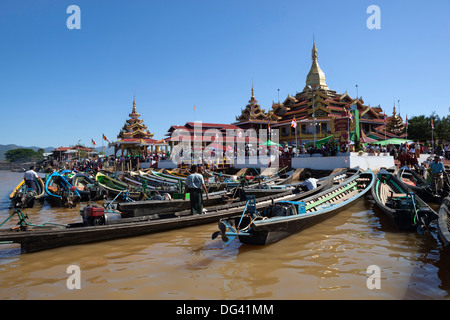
419	128
442	128
22	155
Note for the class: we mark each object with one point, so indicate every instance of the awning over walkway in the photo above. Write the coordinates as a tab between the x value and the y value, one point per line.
323	141
396	141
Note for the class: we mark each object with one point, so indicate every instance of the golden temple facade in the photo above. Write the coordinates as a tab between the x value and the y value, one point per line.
336	115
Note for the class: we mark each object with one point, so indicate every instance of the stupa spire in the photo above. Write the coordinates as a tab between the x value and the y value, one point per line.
316	77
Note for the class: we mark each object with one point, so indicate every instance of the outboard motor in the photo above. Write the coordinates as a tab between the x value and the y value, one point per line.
24	199
281	209
96	216
93	216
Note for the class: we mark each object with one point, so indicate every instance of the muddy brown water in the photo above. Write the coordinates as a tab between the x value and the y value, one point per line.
326	261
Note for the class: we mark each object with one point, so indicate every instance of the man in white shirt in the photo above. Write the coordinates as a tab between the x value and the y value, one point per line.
30	177
310	183
195	183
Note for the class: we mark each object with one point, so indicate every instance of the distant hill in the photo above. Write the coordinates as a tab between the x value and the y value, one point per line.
6	147
108	151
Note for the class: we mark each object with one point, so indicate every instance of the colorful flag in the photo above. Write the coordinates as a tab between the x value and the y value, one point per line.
350	115
105	138
407	121
93	142
294	123
432	124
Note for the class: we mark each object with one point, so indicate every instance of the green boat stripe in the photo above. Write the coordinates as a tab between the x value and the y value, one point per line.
330	196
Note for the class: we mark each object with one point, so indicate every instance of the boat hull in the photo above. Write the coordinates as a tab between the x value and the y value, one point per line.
444	222
21	200
88	189
266	229
418	185
276	232
404	218
114	187
60	192
38	239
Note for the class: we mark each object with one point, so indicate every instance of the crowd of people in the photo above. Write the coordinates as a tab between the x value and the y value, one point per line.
325	149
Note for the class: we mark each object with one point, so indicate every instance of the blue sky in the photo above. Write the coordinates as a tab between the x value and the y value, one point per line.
60	86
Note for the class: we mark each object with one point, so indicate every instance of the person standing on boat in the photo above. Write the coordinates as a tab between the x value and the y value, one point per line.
30	177
438	169
195	183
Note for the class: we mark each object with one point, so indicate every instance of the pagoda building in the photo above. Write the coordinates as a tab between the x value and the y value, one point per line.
395	124
134	137
254	117
335	115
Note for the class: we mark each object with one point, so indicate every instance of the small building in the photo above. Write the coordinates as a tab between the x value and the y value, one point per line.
72	153
254	117
134	138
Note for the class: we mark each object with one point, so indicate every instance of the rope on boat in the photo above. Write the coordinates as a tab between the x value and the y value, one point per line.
257	216
23	224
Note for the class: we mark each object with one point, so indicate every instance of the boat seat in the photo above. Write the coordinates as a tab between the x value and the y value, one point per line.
398	195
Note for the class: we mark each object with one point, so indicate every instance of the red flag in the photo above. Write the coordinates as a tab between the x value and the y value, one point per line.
105	138
93	142
432	124
407	121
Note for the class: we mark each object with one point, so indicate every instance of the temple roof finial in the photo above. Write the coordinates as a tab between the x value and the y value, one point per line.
314	50
316	77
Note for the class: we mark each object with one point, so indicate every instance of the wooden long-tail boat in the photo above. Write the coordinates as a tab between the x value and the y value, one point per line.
151	207
154	180
417	184
60	191
23	197
88	188
285	218
115	187
398	201
444	222
108	225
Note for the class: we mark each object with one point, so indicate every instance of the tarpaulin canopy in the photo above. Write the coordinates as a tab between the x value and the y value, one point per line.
365	139
324	140
396	141
270	143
